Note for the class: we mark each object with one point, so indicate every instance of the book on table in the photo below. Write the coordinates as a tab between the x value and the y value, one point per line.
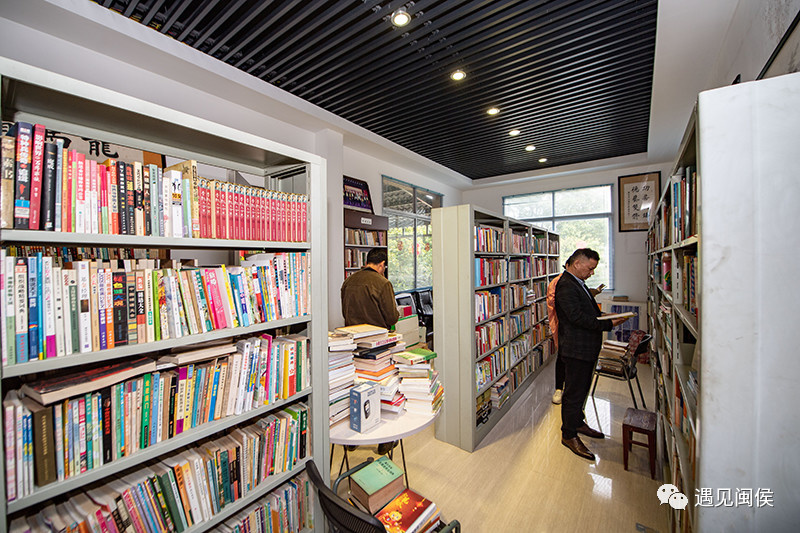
377	484
362	330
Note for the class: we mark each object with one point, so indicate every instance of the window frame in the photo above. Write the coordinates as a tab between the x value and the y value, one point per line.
412	214
609	215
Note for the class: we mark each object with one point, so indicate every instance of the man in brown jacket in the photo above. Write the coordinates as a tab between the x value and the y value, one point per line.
367	296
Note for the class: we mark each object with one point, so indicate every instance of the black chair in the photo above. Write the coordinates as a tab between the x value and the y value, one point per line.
621	364
425	308
405	298
345	518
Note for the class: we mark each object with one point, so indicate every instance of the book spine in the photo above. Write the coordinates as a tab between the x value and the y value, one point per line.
89	432
84	316
58	426
102	199
7	168
49	187
187	203
141	310
133	327
113	196
120	296
94	305
49	307
148	304
93	209
146	200
37	165
108	294
107	425
138	198
33	308
23	132
58	298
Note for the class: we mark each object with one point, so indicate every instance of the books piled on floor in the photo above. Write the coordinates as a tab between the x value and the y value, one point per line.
419	382
501	390
377	484
65	304
190	488
409	512
54	188
341	373
72	424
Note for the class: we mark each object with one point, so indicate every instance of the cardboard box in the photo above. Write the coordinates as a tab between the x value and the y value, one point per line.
365	407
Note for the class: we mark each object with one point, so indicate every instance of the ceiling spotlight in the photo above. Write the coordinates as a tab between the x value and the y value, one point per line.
543	160
493	111
400	17
458	75
530	148
514	133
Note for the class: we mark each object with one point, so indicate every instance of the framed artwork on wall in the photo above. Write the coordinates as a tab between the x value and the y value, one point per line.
637	195
356	194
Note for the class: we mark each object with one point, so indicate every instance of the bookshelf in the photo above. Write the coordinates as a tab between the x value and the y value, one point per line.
362	232
740	340
66	105
494	338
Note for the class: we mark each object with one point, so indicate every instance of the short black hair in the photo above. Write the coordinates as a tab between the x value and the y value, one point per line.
586	253
376	256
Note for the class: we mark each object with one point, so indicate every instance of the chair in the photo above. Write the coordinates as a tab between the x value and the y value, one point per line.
345	518
620	364
405	298
644	422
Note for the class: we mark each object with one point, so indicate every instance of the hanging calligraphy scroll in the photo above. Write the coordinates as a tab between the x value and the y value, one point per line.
638	196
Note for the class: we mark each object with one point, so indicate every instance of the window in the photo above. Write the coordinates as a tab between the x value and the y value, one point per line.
410	245
582	217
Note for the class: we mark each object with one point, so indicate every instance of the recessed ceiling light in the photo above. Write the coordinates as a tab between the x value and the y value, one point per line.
543	160
458	75
530	148
514	133
493	111
400	17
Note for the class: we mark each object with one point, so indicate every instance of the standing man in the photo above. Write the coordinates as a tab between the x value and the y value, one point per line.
580	337
367	296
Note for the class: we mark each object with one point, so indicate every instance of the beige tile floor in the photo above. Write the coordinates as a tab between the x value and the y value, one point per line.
522	479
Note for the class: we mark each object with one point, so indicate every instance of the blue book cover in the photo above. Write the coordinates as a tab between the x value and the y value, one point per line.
154	404
145	505
214	387
198	384
40	298
89	432
97	407
33	309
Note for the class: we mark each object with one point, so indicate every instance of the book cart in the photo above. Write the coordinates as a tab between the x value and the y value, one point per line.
66	105
495	339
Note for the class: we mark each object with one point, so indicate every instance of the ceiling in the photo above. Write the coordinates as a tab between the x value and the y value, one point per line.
574	76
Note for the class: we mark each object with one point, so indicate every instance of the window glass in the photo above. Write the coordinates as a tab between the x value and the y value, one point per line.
424	254
587	233
529	206
398	196
584	201
401	252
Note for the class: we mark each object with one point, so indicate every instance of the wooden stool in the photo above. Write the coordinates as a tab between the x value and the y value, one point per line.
644	422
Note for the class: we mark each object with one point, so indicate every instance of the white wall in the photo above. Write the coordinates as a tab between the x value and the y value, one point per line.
630	257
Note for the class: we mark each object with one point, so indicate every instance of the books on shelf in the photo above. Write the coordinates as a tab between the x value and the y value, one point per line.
341	375
133	198
87	306
290	508
377	484
130	406
489	239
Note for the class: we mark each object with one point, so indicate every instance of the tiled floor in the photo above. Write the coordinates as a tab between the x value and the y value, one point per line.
523	479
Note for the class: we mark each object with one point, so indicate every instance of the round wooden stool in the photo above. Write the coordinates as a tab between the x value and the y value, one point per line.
644	422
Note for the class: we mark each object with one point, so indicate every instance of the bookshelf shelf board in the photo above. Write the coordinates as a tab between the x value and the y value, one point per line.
523	306
686	243
517	255
520	334
691	403
367	246
67	361
490	352
540	255
353	268
540	298
489	254
539	277
256	494
494	317
139	241
540	321
482	287
186	438
520	280
687	318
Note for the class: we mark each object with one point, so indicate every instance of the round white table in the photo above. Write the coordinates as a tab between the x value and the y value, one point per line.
392	427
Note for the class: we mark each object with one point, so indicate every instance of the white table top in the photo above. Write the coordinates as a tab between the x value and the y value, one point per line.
392	427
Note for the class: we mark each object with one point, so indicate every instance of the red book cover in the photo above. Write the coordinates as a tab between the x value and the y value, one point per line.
219	201
68	196
229	211
23	132
80	192
304	219
240	200
283	236
130	203
37	165
212	291
295	216
270	223
93	189
246	215
113	200
262	222
400	514
102	199
205	210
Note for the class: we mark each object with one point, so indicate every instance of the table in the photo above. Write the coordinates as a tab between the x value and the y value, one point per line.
392	427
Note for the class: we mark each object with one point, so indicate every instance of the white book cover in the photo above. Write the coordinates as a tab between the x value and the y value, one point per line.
198	469
58	433
109	293
66	276
84	315
164	205
191	488
21	310
174	299
186	300
138	187
58	298
148	305
173	178
49	326
79	199
245	347
153	185
94	206
233	380
101	306
7	308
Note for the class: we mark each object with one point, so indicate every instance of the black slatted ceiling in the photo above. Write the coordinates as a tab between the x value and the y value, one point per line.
575	76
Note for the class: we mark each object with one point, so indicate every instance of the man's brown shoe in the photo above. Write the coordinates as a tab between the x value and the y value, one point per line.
589	432
577	447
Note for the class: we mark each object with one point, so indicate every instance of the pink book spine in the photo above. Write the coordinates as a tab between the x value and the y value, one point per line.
11	470
304	219
182	372
216	299
37	164
102	203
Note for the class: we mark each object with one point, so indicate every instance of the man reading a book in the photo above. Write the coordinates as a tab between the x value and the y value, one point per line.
367	296
580	337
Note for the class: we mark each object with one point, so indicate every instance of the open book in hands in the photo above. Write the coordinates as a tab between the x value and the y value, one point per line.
629	314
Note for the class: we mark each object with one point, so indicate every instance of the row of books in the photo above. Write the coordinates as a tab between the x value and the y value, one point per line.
287	509
519	268
491	302
364	237
554	246
489	239
540	244
490	367
539	311
501	391
684	203
53	308
519	348
520	371
519	322
189	489
107	413
520	244
47	186
483	407
539	289
490	271
490	335
689	283
355	258
519	295
540	266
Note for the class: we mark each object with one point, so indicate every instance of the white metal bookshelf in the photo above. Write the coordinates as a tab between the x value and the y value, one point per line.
455	285
72	106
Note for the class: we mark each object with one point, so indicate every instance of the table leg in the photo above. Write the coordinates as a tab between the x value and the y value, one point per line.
330	466
403	454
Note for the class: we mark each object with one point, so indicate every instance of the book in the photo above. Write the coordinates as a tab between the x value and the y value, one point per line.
7	170
365	407
617	315
407	513
361	330
377	484
48	391
186	356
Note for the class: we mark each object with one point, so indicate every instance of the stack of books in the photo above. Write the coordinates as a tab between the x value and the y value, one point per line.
500	392
409	512
373	362
419	381
341	373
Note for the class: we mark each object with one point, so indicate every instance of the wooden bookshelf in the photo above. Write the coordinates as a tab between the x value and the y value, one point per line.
484	267
362	232
721	433
78	108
